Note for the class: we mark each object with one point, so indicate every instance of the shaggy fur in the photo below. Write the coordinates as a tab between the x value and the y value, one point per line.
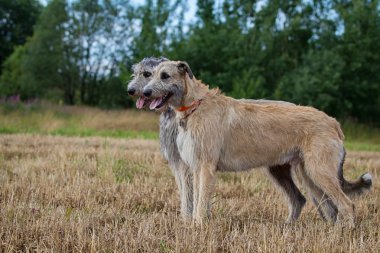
282	178
268	135
142	74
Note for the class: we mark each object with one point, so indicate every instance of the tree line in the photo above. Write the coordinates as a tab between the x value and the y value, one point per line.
323	53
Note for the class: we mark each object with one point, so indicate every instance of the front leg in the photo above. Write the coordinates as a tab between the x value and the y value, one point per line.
185	178
205	177
195	192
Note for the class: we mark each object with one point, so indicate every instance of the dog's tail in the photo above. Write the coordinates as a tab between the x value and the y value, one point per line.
356	188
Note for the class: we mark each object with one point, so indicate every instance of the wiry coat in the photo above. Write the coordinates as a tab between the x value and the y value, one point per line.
142	74
183	176
226	134
281	175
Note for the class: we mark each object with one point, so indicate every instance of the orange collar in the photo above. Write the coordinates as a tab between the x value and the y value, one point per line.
193	104
188	110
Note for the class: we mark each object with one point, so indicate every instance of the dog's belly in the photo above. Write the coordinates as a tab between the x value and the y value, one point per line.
231	161
228	166
228	163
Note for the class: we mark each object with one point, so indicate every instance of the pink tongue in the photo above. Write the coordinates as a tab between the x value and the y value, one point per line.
140	103
155	103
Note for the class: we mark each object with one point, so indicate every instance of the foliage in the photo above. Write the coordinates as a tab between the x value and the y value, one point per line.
319	53
14	80
17	18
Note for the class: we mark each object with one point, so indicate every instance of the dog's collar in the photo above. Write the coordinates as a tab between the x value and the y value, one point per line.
189	109
193	106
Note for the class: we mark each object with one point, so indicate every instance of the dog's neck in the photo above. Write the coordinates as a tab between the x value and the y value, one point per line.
195	91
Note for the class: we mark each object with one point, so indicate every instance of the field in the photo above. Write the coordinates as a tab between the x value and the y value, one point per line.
97	193
50	119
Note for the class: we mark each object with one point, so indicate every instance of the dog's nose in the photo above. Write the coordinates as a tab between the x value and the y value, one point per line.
147	93
131	91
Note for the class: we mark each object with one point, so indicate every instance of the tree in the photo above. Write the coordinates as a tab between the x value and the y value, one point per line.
40	64
98	32
359	46
77	49
321	53
17	18
153	36
316	82
14	79
49	59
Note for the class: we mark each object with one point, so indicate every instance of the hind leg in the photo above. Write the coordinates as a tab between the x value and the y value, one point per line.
321	166
281	176
324	205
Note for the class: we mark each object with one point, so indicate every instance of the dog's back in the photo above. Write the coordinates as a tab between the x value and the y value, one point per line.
270	133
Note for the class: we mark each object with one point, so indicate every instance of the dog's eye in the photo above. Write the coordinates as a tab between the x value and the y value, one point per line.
147	74
164	75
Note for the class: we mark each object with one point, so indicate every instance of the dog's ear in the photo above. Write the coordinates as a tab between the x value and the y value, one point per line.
183	67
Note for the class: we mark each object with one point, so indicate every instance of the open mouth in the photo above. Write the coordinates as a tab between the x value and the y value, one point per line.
142	101
159	102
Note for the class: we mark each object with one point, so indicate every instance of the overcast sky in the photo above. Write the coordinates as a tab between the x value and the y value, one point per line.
188	16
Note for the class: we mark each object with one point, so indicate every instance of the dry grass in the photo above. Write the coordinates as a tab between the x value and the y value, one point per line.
62	194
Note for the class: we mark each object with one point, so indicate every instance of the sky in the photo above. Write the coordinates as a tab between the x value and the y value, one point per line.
190	14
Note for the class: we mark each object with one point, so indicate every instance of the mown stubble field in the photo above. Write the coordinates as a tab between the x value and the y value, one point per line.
68	194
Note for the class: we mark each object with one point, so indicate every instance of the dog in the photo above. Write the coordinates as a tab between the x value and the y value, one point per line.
142	74
280	174
217	132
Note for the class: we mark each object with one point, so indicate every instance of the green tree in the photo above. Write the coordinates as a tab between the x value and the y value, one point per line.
15	80
316	82
92	33
152	39
49	59
212	47
17	18
76	49
359	46
321	53
40	63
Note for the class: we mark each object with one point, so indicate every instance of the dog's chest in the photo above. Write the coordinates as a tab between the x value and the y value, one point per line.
186	147
168	136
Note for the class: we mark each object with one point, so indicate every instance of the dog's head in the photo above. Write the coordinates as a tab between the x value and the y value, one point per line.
169	84
142	74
